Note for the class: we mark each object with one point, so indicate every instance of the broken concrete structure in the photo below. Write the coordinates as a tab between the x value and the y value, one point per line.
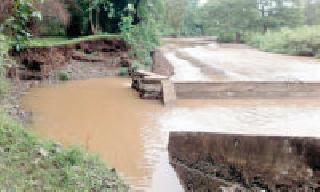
149	85
219	162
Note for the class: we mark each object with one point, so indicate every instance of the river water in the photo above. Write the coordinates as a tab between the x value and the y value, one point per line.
106	117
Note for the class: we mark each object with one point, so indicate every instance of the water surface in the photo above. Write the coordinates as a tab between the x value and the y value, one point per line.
108	118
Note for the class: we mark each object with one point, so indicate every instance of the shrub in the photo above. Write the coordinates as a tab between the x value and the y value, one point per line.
4	62
224	37
63	76
123	71
298	41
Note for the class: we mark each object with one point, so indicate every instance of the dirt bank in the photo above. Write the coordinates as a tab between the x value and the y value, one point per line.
39	62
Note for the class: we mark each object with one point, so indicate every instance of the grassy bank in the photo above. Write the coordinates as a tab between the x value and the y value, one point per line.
57	41
29	164
49	42
298	41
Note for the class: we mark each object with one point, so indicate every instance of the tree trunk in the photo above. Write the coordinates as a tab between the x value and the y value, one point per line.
265	28
97	19
92	28
238	38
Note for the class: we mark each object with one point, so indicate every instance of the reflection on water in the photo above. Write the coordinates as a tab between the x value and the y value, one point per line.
108	118
213	162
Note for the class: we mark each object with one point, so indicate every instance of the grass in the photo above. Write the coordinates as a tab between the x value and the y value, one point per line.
57	41
30	164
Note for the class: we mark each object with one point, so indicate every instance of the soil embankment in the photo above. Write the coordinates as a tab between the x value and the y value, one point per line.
40	62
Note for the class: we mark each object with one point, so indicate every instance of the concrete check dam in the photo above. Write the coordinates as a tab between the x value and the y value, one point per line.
226	104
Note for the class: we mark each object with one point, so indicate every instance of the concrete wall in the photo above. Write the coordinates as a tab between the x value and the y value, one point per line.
161	65
209	161
246	89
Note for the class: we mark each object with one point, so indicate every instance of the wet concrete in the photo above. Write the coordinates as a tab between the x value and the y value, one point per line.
243	63
238	63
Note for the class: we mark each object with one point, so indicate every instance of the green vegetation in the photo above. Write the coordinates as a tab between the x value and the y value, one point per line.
56	41
4	62
298	41
123	71
281	26
63	76
17	25
29	164
144	36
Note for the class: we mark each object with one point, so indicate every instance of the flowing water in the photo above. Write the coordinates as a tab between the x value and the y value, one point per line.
106	117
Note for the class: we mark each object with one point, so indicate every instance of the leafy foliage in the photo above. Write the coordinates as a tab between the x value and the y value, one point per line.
24	12
63	76
298	41
144	36
231	20
4	63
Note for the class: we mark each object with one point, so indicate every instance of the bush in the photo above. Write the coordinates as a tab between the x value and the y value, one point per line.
298	41
123	71
63	76
29	164
4	62
225	37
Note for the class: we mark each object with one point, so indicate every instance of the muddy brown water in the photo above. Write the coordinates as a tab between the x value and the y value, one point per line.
106	117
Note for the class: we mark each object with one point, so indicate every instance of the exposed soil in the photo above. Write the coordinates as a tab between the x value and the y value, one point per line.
38	63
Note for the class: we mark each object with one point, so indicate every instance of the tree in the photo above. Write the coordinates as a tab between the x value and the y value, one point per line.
280	13
19	25
229	17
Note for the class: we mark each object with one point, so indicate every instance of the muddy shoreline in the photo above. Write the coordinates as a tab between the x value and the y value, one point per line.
39	66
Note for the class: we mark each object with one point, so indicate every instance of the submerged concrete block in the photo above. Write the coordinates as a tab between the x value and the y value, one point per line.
168	92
